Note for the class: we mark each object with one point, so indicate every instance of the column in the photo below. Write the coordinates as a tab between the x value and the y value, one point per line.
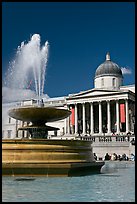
108	117
65	126
83	106
17	134
65	123
117	116
23	130
16	130
76	119
91	119
100	118
127	116
68	123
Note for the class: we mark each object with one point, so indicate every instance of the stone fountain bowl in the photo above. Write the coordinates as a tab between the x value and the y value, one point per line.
38	115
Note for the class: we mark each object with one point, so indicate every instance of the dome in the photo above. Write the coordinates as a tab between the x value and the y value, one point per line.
108	68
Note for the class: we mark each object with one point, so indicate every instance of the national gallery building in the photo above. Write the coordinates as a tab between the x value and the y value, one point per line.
107	109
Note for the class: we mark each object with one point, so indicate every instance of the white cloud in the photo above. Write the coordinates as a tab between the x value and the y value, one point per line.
126	70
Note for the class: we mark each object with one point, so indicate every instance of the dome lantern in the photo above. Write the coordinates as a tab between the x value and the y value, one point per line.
108	57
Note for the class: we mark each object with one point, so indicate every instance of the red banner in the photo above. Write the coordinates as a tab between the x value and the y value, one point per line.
72	116
122	113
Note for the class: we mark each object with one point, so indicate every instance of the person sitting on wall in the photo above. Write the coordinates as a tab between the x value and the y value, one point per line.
116	157
124	157
119	157
107	156
112	157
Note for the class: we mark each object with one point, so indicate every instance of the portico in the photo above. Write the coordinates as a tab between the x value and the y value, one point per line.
110	114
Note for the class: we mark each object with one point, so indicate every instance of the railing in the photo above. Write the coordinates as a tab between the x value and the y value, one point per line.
117	138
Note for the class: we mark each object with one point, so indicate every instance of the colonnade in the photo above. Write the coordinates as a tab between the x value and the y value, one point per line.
74	128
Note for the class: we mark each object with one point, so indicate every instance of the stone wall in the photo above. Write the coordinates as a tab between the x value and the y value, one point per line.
112	144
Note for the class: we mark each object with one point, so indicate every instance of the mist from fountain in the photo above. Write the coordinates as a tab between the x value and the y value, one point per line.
28	69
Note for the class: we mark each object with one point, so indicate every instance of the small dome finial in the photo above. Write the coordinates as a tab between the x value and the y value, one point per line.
107	56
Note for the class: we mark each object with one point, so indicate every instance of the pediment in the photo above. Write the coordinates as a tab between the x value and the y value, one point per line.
92	93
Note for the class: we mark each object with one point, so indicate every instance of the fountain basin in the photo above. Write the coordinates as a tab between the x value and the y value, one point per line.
42	157
38	115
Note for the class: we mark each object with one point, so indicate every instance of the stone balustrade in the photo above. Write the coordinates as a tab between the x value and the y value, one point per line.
115	138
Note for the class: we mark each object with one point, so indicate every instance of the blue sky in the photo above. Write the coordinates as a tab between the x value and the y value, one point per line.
79	34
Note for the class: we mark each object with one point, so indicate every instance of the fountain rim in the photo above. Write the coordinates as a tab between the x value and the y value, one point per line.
37	115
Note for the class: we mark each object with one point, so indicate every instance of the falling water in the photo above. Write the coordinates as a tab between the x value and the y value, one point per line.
27	70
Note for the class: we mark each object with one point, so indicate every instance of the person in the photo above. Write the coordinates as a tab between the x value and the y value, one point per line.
113	157
119	157
116	157
124	157
132	157
133	141
95	156
107	156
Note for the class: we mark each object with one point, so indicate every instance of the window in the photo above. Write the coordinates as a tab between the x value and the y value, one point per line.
9	120
102	82
9	133
114	82
55	132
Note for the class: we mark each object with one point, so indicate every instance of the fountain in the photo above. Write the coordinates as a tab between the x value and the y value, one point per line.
37	155
38	117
